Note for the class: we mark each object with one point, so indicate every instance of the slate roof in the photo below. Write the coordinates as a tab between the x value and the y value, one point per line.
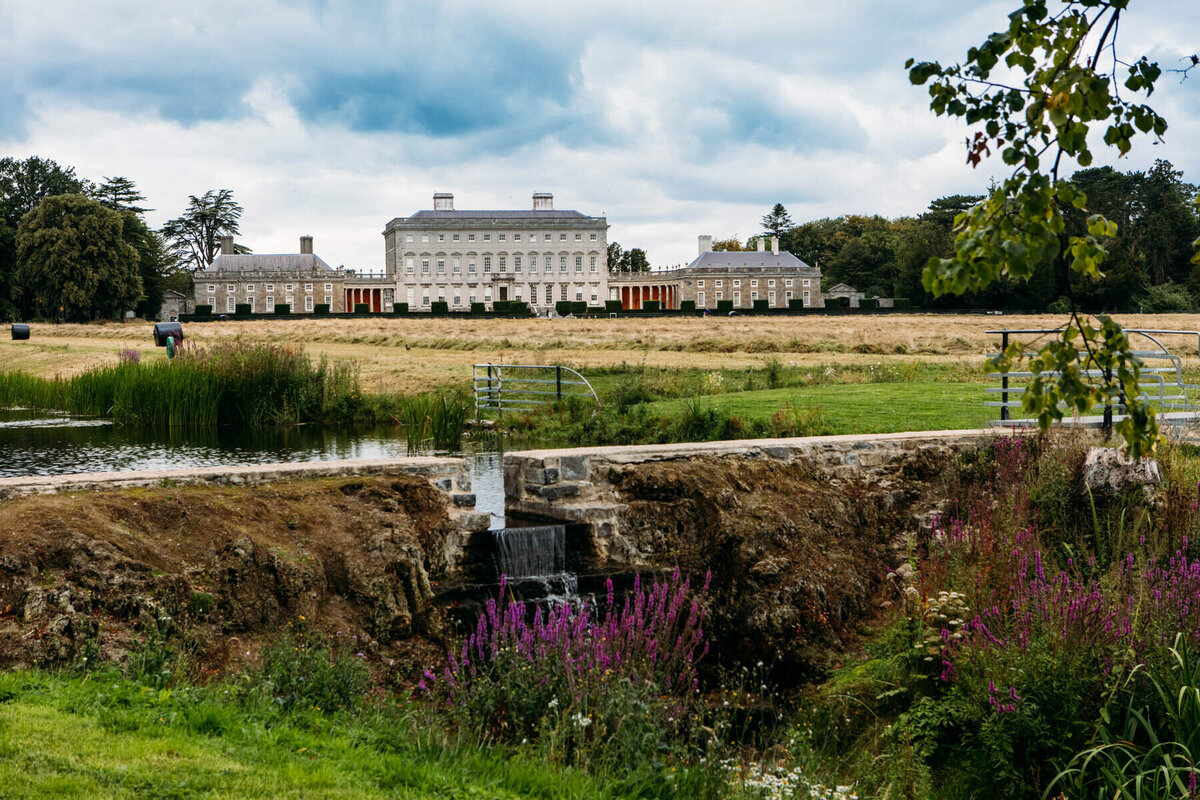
753	258
490	214
289	264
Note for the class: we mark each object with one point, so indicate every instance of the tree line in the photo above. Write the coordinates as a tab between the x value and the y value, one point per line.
75	249
1148	267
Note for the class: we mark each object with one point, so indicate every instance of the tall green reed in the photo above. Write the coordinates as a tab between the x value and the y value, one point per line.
248	385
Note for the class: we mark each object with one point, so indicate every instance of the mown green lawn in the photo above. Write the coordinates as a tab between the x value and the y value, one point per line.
864	407
106	737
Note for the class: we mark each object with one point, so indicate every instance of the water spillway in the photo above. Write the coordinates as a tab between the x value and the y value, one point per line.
533	552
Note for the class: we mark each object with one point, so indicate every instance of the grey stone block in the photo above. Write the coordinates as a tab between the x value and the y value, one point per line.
445	484
575	468
782	453
554	492
466	500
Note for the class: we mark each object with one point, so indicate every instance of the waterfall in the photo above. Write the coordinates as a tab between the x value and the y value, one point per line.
532	552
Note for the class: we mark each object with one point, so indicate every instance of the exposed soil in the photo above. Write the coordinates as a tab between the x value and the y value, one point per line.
218	569
799	560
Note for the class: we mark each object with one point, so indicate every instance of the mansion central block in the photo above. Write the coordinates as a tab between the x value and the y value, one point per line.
539	256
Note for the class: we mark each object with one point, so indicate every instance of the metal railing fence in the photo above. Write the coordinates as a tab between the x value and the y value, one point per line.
522	387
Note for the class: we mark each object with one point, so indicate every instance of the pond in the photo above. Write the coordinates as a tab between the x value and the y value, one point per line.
36	442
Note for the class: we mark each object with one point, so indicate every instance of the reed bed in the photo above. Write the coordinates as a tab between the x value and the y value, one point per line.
435	419
247	385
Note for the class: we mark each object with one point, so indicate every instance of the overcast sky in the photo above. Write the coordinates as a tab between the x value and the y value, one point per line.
673	119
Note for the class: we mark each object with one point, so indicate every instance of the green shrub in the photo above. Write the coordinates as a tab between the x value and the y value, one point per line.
439	308
1167	298
518	308
795	304
362	308
478	308
564	308
579	307
901	304
242	309
613	306
687	305
283	308
203	311
500	306
868	303
300	671
651	306
761	305
724	306
400	308
321	309
594	310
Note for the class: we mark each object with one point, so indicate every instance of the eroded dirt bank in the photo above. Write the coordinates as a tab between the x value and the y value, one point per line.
218	569
799	561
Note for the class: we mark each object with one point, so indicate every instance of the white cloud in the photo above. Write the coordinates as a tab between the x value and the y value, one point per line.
675	119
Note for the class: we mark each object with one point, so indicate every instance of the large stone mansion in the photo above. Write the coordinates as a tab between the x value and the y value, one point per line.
539	256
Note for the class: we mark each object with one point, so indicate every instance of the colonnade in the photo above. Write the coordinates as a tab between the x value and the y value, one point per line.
371	297
632	297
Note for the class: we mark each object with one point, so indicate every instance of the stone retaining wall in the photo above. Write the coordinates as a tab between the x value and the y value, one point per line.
450	476
574	485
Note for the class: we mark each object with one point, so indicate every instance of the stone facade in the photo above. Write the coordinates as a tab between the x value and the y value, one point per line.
714	276
301	281
539	256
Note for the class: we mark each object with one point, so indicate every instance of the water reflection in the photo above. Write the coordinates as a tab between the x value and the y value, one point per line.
42	443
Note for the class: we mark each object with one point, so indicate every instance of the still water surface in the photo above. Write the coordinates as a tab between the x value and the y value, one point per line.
46	443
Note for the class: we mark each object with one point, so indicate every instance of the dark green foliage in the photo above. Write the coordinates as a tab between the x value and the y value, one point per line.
795	304
23	185
868	303
362	308
594	310
687	305
518	308
439	308
195	235
478	308
203	310
613	306
564	308
1167	298
283	308
321	309
651	306
400	308
500	306
724	306
761	305
900	303
242	309
777	221
579	307
74	260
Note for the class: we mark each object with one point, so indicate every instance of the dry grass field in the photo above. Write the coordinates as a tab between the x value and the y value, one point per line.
411	354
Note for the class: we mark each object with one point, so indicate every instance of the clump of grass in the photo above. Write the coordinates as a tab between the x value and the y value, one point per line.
434	418
248	385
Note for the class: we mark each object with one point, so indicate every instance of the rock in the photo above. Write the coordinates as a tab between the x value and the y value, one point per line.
1110	471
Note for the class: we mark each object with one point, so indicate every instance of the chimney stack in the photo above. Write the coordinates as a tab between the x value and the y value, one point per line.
762	244
543	201
226	245
775	245
443	201
306	245
705	244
